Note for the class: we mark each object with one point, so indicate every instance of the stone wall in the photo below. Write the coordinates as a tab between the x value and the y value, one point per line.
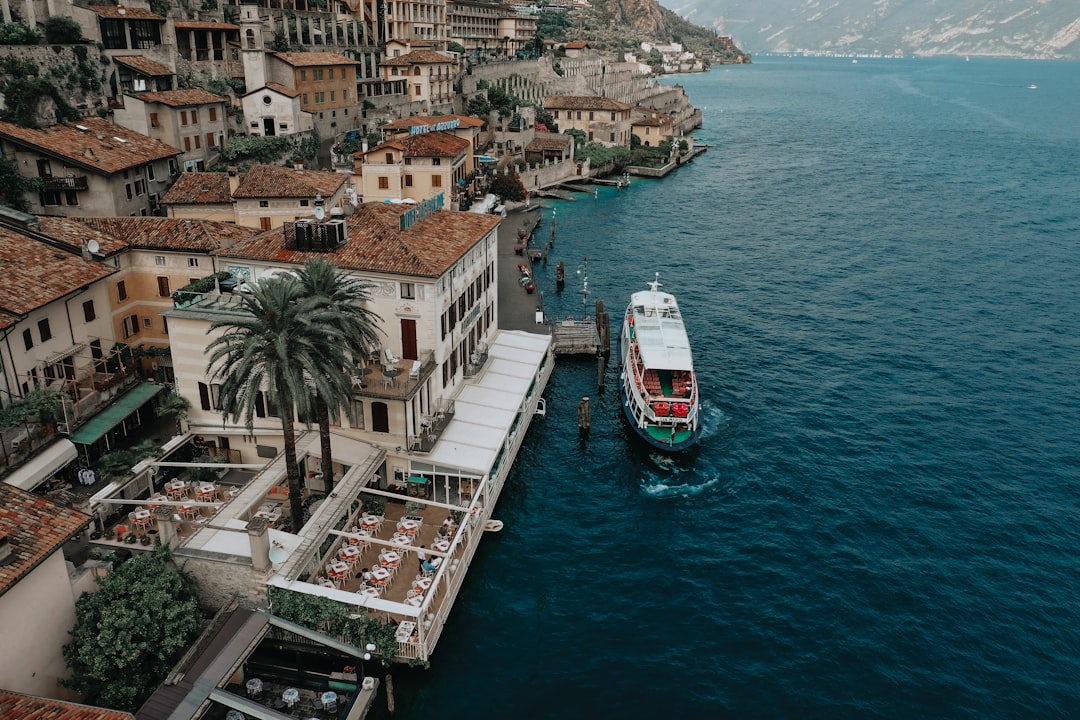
76	71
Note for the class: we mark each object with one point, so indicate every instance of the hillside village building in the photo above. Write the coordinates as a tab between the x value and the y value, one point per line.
195	120
603	120
417	167
37	594
428	76
91	167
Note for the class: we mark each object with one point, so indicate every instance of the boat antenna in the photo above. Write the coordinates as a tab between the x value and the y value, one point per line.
655	283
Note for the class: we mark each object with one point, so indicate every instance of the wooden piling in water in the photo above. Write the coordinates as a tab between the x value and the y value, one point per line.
583	416
390	694
601	371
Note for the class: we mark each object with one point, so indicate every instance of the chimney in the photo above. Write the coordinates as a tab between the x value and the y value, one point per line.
234	179
166	524
259	538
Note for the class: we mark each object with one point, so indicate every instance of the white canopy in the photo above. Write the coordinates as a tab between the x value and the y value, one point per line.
484	411
40	468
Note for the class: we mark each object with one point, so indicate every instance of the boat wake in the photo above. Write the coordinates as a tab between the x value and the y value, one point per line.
665	489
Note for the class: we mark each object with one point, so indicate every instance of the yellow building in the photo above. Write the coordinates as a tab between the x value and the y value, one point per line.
418	167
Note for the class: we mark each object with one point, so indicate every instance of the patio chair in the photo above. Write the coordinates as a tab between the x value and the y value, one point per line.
391	358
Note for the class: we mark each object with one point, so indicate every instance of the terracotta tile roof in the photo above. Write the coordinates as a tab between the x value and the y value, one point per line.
286	91
653	120
199	188
36	527
158	233
73	233
274	181
576	45
431	144
95	148
197	25
309	59
55	273
28	707
408	122
120	12
582	102
418	57
143	64
377	244
181	98
549	141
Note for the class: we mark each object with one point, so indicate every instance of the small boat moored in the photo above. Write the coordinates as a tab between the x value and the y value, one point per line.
657	381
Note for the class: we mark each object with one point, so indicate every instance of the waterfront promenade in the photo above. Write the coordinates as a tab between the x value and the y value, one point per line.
516	308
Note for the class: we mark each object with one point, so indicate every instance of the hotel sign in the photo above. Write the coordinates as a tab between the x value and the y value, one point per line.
425	207
437	127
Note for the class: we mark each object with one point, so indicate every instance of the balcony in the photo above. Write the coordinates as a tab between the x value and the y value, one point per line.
393	382
77	182
431	427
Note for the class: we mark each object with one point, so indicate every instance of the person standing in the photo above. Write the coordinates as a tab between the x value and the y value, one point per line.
421	556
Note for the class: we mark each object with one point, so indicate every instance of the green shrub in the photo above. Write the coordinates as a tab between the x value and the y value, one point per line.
202	285
18	33
61	30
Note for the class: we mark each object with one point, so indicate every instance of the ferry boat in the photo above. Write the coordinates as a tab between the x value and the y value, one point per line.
658	385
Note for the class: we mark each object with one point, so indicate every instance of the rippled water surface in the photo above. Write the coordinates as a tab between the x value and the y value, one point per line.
878	264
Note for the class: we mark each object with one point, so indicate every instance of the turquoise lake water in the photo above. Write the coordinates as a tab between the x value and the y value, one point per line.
878	266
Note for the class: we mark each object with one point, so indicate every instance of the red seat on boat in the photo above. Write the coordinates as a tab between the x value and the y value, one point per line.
681	410
662	409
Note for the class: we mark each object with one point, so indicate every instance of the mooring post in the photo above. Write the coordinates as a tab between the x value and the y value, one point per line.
583	419
390	694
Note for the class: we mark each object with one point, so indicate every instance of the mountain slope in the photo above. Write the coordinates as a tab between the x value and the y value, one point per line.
625	24
1010	28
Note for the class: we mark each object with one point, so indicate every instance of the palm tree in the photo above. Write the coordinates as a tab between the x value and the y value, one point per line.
344	298
282	341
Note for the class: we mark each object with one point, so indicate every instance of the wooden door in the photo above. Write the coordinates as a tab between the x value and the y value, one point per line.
408	339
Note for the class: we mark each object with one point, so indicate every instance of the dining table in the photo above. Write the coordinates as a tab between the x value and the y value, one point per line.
369	522
371	592
390	376
421	585
349	553
340	568
409	527
401	539
176	488
207	491
389	559
441	546
380	576
157	500
404	631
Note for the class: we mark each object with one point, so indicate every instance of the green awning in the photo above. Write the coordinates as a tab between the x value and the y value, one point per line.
417	479
115	414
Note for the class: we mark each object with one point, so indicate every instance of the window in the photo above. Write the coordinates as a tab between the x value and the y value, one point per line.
44	330
384	183
50	197
389	158
591	115
264	203
408	291
159	260
358	414
140	187
331	96
204	396
330	74
317	74
213	114
578	114
154	121
303	75
264	223
121	291
436	181
556	114
163	286
131	325
147	322
613	116
27	338
192	262
198	142
320	97
408	181
149	172
71	197
209	140
305	103
187	147
88	311
611	137
164	324
436	161
127	189
194	117
183	117
284	127
345	96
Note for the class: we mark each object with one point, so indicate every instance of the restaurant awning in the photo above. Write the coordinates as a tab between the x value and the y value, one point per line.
41	467
115	414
